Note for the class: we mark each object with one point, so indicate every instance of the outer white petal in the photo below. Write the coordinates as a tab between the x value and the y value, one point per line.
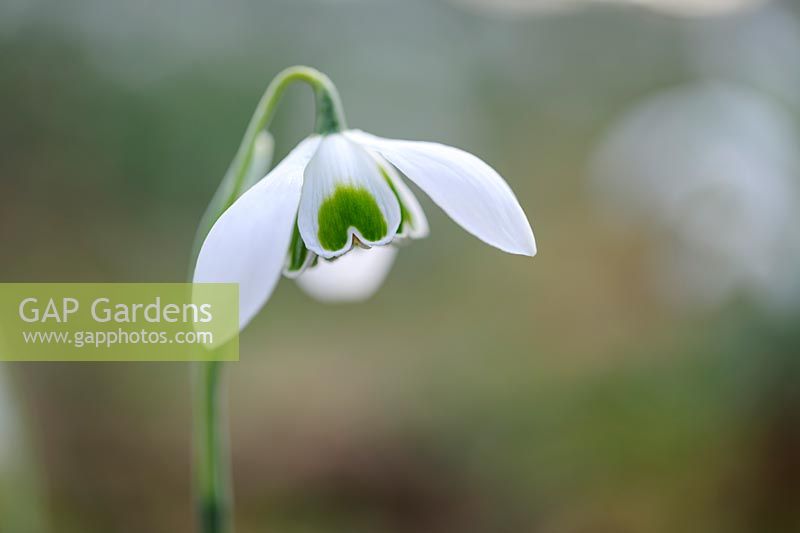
351	278
467	189
418	227
248	244
340	164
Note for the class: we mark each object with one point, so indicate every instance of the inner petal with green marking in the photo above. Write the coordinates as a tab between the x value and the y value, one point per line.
345	200
350	207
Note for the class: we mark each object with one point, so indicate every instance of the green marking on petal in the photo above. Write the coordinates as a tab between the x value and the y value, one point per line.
405	214
349	207
297	250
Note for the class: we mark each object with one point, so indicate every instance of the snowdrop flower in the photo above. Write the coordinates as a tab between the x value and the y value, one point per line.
329	215
714	167
328	211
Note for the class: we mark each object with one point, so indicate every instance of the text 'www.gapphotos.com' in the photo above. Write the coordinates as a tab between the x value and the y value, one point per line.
96	339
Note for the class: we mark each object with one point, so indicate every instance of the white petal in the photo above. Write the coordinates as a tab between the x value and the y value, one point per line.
351	278
345	195
249	242
417	226
466	188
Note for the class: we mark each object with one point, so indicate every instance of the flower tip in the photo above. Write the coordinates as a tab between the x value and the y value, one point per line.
523	243
527	249
530	249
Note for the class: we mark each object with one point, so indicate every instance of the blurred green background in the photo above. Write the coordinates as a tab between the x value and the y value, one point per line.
578	392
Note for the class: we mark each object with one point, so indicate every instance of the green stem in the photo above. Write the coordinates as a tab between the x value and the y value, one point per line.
329	119
212	468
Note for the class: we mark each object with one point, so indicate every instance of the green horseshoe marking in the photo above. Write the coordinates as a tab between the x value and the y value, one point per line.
349	207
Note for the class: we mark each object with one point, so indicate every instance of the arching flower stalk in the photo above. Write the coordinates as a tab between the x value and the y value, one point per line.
329	215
